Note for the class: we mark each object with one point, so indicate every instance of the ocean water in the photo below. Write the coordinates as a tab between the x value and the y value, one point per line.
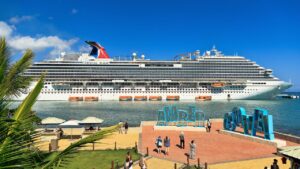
286	112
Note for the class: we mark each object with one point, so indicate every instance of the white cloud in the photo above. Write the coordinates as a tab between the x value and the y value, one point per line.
18	19
25	42
85	49
19	43
5	29
74	11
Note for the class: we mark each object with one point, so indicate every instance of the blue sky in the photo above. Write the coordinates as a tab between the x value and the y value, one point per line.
267	32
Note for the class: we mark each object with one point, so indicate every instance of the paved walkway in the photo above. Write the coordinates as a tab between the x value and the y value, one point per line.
156	163
211	147
250	164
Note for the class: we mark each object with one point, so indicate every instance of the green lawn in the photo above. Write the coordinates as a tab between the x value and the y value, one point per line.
98	159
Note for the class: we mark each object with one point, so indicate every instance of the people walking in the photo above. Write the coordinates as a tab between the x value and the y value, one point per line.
158	143
181	139
192	149
142	163
167	143
126	127
121	127
208	125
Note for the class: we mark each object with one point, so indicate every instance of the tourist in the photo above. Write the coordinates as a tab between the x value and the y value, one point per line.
61	132
158	143
121	127
128	161
128	164
142	163
208	124
167	143
192	150
181	138
274	165
126	127
128	155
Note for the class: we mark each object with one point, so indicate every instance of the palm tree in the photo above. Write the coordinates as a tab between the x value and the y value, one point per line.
17	132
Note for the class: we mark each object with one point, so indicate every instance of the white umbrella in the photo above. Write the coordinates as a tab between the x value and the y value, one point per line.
91	121
70	123
52	120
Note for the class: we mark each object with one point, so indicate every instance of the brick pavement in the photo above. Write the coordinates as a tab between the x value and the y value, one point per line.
211	147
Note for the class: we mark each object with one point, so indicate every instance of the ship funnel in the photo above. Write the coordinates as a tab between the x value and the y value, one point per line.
97	50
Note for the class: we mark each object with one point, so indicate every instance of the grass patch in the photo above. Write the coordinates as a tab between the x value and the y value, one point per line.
98	159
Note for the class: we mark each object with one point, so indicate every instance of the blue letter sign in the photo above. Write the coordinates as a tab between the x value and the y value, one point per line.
259	121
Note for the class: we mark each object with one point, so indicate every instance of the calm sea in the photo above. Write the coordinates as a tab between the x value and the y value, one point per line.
286	112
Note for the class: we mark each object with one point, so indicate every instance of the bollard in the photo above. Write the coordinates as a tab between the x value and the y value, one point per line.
49	147
175	166
198	162
115	145
112	165
147	151
93	146
136	147
205	165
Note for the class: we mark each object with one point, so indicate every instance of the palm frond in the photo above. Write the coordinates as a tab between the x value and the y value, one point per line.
24	109
14	83
4	58
17	134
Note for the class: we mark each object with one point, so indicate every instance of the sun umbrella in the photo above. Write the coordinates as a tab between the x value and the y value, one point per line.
52	120
91	121
71	124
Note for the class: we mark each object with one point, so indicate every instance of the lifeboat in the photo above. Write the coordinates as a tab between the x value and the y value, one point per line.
140	98
203	98
125	98
173	98
75	98
91	98
218	84
155	98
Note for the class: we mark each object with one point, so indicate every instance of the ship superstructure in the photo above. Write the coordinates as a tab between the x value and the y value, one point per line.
95	76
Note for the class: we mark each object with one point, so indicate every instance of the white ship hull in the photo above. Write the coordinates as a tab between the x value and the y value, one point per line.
252	91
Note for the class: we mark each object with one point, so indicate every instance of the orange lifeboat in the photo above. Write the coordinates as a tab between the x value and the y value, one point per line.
91	98
218	84
173	98
75	98
155	98
125	98
140	98
203	98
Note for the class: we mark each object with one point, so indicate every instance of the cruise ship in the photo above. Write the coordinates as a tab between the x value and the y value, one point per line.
95	76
